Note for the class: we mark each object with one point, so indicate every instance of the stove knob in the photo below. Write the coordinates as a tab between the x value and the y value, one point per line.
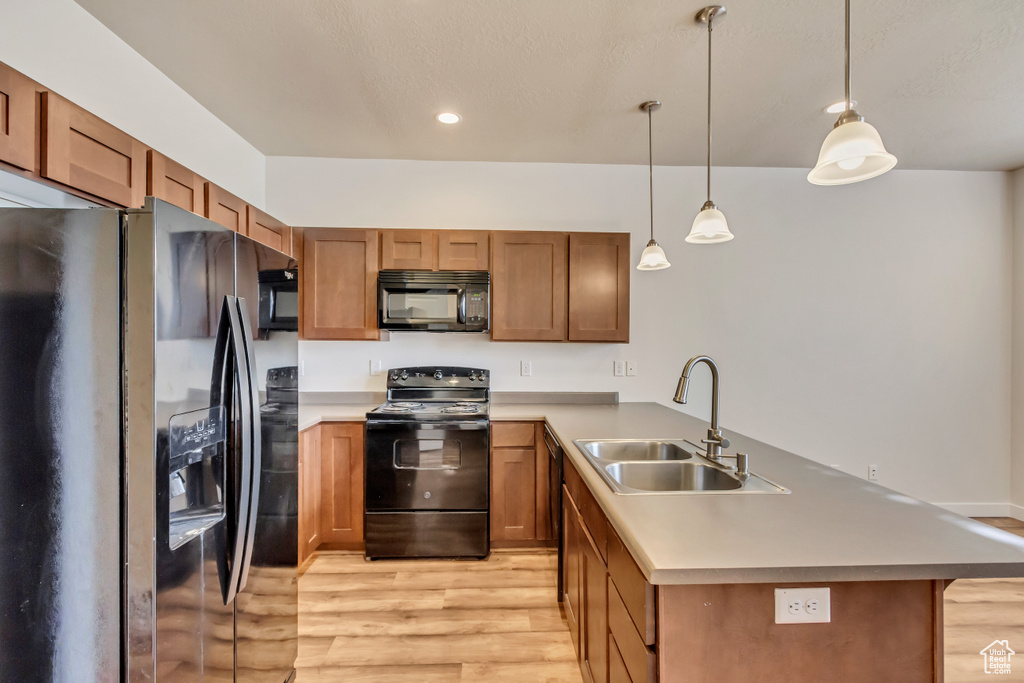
405	375
438	374
394	376
472	377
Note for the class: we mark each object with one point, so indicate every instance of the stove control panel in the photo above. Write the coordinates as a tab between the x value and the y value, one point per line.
436	377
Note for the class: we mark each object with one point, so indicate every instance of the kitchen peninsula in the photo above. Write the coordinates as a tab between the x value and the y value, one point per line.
683	584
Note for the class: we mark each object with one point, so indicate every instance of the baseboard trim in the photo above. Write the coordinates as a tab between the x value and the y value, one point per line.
982	509
1017	512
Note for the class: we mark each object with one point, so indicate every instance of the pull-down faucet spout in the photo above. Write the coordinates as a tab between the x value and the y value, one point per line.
715	442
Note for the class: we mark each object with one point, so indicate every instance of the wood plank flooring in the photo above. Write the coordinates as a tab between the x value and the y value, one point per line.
433	620
979	611
439	621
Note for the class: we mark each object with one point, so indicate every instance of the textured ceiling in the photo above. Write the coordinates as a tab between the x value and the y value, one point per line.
561	80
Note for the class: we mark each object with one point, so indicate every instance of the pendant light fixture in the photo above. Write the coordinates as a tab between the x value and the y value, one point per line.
653	257
853	151
710	226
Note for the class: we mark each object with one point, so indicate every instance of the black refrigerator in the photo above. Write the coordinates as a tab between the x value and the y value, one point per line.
148	451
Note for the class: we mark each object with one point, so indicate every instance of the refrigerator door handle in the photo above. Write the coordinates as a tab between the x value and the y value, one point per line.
230	336
256	440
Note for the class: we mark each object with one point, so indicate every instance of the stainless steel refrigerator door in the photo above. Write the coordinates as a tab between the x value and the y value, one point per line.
179	447
60	462
266	610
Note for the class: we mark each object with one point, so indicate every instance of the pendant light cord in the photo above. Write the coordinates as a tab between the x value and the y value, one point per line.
711	21
849	102
650	163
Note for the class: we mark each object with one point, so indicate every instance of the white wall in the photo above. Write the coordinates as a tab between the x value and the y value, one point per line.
61	46
1017	404
853	325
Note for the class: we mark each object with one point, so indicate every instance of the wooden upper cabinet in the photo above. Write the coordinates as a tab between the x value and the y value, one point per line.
408	250
528	286
83	151
168	180
225	208
338	274
599	270
463	250
267	230
17	118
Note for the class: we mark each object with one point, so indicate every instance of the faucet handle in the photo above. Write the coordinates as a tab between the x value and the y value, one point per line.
724	441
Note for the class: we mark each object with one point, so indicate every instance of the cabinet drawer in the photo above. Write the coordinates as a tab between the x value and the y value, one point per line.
638	659
636	593
512	434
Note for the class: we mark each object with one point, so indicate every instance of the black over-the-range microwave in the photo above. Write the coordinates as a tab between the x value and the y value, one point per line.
279	300
444	301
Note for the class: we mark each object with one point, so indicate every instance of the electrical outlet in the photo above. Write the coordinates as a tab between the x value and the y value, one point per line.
630	368
620	368
525	368
873	472
802	606
375	367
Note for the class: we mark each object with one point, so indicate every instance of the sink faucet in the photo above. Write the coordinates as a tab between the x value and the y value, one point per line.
715	441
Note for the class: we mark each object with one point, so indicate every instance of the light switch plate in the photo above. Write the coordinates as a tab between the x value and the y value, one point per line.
802	606
630	368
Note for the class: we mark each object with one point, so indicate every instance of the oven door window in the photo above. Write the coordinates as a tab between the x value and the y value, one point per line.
428	305
428	454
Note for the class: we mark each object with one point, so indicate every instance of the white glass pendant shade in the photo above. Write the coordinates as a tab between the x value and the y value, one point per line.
852	152
653	258
709	227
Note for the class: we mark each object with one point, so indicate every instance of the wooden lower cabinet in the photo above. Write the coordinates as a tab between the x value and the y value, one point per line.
519	485
309	492
331	457
627	631
341	484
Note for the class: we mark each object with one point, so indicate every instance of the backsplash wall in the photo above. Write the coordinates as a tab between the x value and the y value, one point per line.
853	325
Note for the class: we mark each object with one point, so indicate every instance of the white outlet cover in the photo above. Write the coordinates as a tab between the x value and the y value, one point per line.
630	368
525	368
619	368
815	606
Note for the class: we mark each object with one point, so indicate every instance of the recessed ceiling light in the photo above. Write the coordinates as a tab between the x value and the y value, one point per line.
448	117
839	107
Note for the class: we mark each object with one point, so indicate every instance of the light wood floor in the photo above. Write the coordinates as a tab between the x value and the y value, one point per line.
978	611
427	621
439	621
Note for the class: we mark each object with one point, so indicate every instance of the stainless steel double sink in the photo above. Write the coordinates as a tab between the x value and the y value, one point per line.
660	466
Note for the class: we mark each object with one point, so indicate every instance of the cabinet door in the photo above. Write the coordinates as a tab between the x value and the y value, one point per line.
267	230
341	483
513	494
83	151
408	250
543	498
168	180
528	286
599	270
309	492
463	250
225	208
594	621
338	271
17	118
572	532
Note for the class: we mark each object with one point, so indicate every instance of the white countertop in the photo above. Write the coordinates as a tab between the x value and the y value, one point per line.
832	527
